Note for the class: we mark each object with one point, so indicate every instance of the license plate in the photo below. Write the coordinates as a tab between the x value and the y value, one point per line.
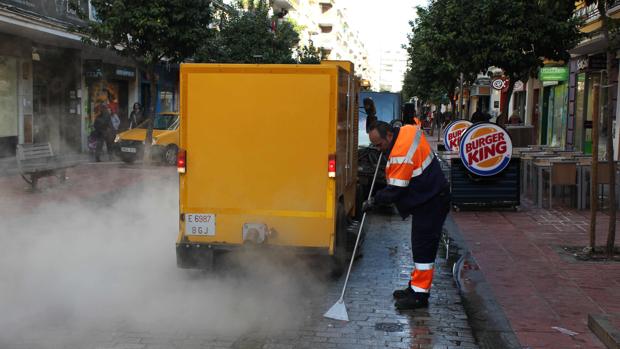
202	224
128	150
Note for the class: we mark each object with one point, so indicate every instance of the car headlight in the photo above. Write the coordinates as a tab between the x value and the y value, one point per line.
117	139
154	141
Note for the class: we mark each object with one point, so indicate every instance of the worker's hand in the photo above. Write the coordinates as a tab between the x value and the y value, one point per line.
368	205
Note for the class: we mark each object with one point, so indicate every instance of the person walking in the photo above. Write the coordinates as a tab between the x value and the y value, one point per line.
102	129
136	115
418	188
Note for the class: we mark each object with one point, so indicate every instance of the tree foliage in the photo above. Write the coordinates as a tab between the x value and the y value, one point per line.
152	30
148	32
455	36
249	34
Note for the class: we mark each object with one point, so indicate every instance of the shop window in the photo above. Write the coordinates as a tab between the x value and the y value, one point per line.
8	97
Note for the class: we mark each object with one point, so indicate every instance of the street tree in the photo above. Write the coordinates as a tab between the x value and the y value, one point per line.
149	32
520	34
249	34
442	45
610	30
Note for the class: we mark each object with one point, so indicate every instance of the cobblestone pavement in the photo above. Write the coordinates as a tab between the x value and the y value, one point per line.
129	298
539	285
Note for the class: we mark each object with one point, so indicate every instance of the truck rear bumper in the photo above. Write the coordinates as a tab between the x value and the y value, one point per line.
191	255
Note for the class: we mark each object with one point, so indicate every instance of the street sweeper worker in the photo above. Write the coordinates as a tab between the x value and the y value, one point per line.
418	188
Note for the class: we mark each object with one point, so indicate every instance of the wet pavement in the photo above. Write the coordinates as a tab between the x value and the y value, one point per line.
127	293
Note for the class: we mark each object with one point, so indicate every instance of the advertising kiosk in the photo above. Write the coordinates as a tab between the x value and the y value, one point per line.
482	169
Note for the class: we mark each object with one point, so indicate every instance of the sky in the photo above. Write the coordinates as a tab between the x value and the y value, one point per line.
382	24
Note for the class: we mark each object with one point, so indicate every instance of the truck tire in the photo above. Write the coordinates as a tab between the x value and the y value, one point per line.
169	156
341	253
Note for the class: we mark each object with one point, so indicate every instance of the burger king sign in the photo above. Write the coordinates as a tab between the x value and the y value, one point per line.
453	132
485	149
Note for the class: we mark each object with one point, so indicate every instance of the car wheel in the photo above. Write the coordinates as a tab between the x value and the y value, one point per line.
128	158
170	155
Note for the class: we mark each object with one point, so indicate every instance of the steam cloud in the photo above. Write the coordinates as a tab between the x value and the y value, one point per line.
111	264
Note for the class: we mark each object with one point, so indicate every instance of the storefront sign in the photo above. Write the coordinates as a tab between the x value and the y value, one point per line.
125	72
93	68
499	84
453	132
485	149
553	74
582	63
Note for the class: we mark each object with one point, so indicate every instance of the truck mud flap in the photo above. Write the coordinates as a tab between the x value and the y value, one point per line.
193	256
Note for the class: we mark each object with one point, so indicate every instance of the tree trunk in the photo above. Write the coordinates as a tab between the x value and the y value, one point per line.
611	232
153	79
594	172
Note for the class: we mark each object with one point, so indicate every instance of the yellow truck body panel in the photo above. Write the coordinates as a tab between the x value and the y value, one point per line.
258	139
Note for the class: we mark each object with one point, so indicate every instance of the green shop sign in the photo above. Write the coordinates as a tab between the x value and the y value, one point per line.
553	74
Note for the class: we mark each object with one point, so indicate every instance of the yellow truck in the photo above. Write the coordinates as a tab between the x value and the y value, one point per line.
267	157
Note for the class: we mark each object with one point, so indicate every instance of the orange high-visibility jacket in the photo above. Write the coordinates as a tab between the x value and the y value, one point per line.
409	157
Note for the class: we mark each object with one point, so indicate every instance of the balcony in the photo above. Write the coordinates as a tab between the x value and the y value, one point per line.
590	13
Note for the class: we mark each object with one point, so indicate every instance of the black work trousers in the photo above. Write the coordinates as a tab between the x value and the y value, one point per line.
426	226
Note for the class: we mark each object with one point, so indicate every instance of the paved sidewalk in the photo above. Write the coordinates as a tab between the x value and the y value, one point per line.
540	287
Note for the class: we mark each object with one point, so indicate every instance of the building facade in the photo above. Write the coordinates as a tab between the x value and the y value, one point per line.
324	23
51	83
590	84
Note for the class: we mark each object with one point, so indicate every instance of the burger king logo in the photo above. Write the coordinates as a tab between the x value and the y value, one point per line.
485	149
452	134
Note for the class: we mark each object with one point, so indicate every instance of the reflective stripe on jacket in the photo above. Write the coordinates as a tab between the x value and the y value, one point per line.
409	157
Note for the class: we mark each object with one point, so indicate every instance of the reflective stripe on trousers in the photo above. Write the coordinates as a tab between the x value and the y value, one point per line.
422	277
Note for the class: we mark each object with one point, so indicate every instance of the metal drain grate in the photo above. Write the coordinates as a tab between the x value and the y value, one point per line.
389	327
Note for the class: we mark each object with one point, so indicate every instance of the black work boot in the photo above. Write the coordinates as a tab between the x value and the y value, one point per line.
398	294
414	300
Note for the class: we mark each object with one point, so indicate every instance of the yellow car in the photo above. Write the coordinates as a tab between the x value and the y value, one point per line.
130	143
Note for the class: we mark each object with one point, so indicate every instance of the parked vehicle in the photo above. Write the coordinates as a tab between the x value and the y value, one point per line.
266	159
165	142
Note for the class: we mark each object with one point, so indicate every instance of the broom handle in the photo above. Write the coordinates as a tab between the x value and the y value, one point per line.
359	233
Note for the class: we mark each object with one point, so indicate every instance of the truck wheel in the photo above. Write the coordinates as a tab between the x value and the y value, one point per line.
341	253
170	155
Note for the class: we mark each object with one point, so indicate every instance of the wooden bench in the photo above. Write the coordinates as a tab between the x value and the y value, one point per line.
37	160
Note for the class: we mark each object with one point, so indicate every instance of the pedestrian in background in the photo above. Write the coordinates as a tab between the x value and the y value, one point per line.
418	187
136	115
479	115
102	129
371	113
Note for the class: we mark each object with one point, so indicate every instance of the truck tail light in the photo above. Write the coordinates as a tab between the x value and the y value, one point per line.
331	166
181	161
